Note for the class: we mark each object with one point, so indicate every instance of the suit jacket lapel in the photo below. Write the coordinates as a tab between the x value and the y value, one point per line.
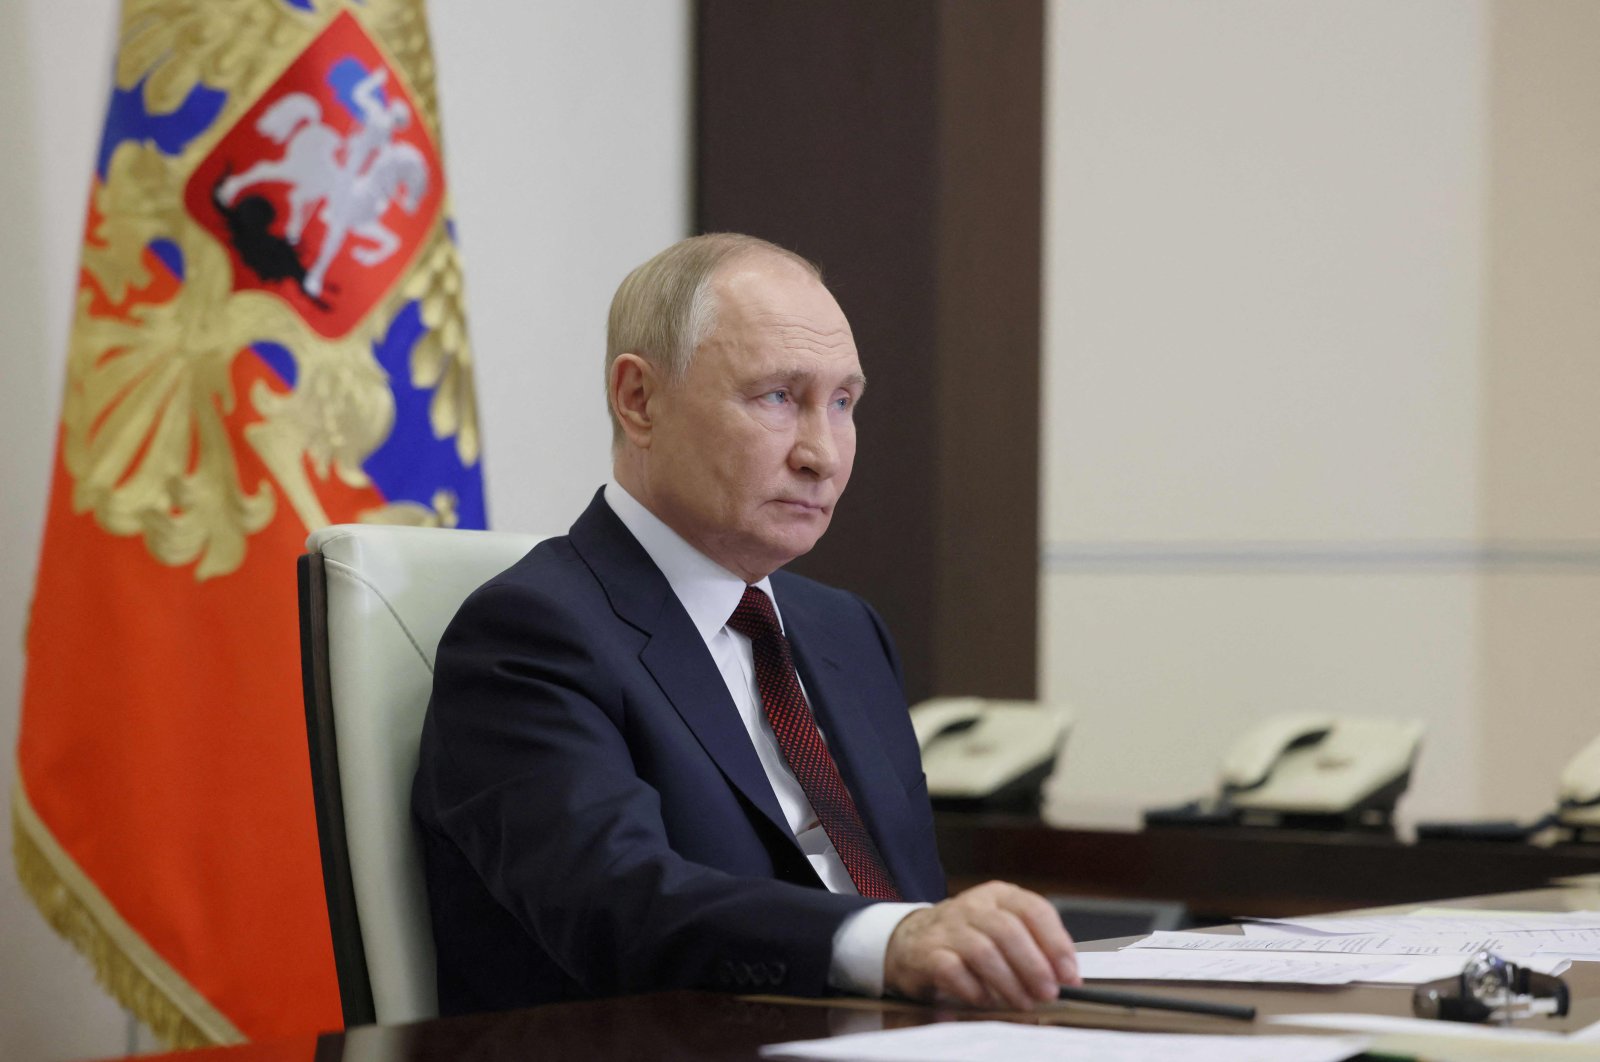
823	664
674	654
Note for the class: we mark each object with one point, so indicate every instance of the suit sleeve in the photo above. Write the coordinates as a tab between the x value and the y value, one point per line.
527	769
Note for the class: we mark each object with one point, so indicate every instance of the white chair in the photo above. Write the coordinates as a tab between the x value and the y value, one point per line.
374	601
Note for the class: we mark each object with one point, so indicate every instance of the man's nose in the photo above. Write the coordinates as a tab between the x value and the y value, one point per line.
814	449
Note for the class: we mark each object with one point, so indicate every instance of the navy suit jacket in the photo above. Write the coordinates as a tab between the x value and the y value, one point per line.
594	818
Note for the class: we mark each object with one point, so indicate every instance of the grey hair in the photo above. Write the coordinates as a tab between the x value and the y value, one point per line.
665	309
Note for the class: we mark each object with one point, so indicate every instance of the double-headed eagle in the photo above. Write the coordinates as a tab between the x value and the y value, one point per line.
150	383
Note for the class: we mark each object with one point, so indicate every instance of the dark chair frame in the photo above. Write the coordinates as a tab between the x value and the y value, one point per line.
344	922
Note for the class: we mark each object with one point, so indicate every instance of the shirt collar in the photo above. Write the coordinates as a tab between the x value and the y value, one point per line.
708	591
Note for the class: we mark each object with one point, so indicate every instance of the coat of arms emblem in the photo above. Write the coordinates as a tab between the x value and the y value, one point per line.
326	186
275	288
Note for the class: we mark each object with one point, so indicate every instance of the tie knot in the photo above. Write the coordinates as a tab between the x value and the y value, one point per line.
755	617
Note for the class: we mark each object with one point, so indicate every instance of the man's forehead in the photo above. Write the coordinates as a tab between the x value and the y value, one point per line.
776	304
762	284
802	330
797	344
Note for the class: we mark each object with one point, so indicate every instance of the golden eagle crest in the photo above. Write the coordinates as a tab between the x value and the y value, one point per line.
294	193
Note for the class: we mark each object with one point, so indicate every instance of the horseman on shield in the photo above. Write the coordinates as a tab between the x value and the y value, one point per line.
354	178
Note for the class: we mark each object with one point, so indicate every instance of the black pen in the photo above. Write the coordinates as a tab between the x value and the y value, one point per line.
1112	998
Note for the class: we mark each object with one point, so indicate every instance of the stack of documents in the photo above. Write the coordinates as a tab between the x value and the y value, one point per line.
1410	949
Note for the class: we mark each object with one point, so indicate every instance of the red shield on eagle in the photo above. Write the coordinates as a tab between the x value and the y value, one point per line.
324	190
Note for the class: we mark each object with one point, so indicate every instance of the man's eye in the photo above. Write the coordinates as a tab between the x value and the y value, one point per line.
843	403
775	398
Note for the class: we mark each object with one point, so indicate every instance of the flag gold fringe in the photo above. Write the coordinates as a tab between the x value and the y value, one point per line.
92	926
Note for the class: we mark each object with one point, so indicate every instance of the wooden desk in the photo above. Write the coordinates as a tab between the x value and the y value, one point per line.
1224	873
703	1026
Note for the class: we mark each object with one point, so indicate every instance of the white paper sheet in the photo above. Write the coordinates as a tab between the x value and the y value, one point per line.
1391	1023
998	1041
1451	1041
1354	944
1293	968
1589	1034
1431	920
1565	935
1573	940
1282	967
1532	919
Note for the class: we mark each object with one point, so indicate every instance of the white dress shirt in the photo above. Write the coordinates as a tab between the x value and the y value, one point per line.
709	593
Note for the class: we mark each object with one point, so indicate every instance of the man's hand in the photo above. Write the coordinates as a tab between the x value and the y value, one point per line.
995	945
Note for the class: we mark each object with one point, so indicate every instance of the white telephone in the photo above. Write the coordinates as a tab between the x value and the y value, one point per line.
1580	792
1310	770
981	753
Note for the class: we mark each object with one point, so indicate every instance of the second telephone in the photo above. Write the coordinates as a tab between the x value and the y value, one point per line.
981	753
1310	770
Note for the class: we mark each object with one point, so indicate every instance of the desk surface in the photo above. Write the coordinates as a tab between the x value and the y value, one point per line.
705	1026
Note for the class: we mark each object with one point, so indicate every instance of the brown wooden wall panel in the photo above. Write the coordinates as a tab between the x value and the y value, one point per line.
898	144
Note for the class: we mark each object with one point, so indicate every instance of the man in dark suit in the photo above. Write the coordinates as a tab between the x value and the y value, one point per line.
652	759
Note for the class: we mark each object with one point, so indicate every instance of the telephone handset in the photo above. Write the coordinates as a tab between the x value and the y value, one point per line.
982	753
1298	769
1253	756
1580	792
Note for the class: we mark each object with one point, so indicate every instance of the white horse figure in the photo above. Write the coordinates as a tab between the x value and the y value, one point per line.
355	191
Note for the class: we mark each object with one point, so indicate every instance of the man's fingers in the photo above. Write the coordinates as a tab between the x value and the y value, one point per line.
1029	965
1029	931
1045	925
989	960
953	982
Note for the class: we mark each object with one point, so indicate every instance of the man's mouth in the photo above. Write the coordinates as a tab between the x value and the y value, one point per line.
808	506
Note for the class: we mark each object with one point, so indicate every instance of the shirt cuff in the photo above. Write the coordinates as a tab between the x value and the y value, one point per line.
860	944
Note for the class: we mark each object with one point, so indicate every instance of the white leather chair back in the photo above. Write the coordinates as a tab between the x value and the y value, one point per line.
390	593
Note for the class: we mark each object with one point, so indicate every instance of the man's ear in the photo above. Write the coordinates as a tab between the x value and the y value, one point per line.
634	381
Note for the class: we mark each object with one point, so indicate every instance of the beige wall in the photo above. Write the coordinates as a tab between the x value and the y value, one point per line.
561	182
1264	261
1540	453
1322	376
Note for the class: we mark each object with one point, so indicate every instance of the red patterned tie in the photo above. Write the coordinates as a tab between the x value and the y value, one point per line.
803	748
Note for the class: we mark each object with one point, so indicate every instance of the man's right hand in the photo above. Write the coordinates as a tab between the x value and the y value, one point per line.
995	945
